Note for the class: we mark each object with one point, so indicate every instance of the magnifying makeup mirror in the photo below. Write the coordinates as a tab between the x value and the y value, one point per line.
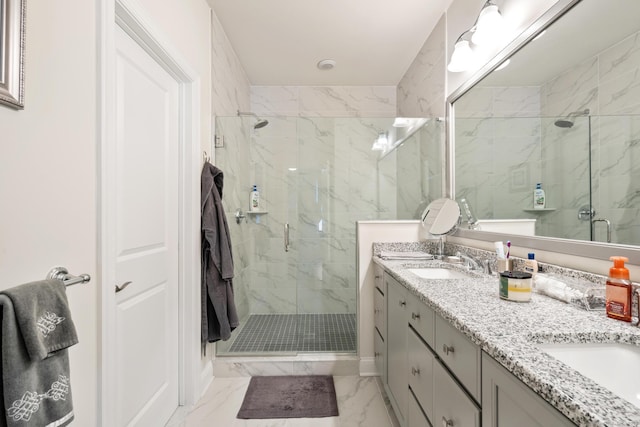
441	217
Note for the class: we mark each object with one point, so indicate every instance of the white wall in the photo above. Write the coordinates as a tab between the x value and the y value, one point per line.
48	172
48	175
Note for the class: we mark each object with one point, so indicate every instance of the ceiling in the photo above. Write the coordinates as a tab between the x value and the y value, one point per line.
279	42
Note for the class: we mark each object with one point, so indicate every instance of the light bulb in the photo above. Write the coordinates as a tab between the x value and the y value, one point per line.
489	26
462	57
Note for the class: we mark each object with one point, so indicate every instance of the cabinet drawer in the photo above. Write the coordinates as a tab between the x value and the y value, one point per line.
422	318
379	354
452	407
415	416
379	314
420	369
460	355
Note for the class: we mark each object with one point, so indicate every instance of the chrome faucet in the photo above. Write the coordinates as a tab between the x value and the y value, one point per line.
469	261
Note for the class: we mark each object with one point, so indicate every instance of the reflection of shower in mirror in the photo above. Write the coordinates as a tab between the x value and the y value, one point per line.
567	122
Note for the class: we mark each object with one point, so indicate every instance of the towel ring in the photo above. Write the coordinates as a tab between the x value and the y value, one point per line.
61	273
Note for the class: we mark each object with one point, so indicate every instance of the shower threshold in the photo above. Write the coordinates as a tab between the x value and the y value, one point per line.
291	334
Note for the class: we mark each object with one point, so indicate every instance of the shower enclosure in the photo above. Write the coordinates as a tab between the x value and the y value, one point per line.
295	273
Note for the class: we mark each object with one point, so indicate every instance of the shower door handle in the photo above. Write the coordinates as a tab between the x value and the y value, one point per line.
286	237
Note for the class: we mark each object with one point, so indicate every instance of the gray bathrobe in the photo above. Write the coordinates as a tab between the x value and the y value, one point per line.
219	316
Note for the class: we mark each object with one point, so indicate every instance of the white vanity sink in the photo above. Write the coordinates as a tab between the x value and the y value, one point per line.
613	366
438	273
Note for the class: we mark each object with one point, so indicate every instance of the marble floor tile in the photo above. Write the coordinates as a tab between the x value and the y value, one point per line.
360	404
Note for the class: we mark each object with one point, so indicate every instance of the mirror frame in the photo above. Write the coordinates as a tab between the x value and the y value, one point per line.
596	250
12	37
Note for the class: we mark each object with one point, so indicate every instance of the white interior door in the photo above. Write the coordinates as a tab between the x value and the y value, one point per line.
146	237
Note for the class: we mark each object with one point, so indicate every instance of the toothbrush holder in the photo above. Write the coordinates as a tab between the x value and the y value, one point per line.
504	264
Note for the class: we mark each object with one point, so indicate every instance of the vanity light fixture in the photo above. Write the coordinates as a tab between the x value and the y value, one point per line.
486	30
381	143
488	26
463	56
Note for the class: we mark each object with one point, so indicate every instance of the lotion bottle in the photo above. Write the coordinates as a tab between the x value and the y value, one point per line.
255	199
618	290
538	197
531	265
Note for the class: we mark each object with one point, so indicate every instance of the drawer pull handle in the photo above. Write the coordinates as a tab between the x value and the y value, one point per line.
376	310
377	277
403	303
447	349
415	316
415	371
377	354
446	422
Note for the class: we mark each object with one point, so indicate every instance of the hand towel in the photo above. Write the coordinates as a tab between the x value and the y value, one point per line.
35	384
43	316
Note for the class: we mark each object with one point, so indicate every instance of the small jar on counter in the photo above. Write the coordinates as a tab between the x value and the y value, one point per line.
515	286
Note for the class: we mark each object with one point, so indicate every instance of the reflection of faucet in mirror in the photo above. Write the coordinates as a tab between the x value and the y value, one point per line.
471	220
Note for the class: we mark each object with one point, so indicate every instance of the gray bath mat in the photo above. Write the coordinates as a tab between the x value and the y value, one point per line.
299	396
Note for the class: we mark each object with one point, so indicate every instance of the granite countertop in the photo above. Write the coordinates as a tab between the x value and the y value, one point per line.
510	331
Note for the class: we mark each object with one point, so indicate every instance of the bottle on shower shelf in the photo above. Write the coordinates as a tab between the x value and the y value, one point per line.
255	199
538	197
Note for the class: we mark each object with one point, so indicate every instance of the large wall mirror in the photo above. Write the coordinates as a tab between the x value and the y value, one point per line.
565	112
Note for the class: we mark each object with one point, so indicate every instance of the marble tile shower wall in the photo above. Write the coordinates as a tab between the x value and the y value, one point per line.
608	85
320	133
419	171
498	150
232	160
230	92
421	90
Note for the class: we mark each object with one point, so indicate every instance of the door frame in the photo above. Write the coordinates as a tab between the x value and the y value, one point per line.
137	24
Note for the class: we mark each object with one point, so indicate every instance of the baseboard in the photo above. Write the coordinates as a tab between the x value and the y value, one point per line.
206	377
368	367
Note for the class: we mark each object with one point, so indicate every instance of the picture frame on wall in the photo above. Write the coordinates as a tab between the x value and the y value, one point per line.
12	43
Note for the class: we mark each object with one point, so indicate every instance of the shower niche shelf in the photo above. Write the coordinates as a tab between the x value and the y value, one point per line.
257	212
540	210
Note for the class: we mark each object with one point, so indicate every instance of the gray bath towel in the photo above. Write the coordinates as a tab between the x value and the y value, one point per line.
36	331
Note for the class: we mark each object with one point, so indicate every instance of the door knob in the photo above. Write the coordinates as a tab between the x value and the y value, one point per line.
121	287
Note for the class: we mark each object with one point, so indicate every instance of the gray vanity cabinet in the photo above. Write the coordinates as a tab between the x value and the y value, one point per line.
380	323
506	401
435	375
397	328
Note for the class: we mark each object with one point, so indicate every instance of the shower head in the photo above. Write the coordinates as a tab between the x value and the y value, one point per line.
567	122
260	122
563	123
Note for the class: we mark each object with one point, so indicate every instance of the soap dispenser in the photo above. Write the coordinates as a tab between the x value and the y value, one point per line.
618	290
